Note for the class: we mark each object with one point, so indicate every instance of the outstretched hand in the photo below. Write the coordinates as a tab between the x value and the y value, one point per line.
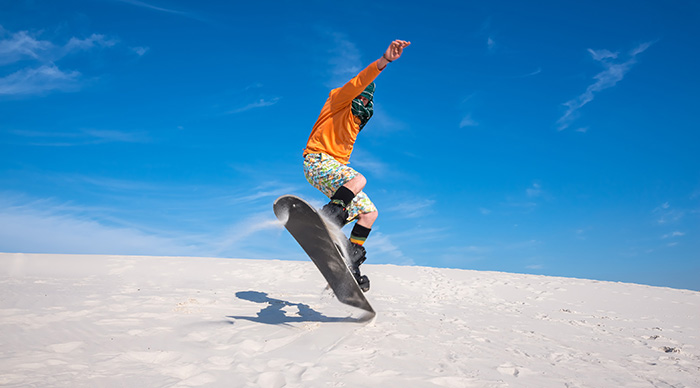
395	50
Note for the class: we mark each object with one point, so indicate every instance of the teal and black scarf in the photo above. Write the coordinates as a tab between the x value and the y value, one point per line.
364	113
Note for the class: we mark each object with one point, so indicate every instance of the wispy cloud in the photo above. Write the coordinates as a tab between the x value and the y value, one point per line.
244	230
368	164
487	33
42	75
383	123
614	71
262	103
168	220
45	226
527	201
95	40
491	43
140	50
41	80
466	106
580	234
468	121
673	234
381	246
79	138
534	191
413	208
21	46
668	215
345	60
152	7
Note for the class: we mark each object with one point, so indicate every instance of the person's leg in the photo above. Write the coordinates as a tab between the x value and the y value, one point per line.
337	181
356	184
366	214
343	185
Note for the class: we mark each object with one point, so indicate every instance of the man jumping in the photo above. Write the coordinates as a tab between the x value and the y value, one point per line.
328	151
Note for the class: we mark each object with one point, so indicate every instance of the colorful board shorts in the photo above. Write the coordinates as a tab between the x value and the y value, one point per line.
327	175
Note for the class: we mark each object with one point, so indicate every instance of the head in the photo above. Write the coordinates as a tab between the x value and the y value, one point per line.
367	95
362	106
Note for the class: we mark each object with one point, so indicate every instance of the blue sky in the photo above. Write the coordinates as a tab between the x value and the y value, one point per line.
554	137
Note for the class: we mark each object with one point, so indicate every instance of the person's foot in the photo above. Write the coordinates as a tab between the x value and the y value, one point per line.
363	282
358	255
335	212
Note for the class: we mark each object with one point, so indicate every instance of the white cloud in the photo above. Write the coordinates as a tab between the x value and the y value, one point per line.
383	124
467	121
237	235
534	191
44	227
80	138
21	46
42	75
414	208
614	72
490	43
600	55
255	105
345	60
140	50
668	215
95	40
383	250
673	234
32	81
148	226
152	7
364	161
111	136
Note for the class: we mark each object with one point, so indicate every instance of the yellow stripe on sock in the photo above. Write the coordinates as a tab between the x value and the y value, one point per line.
358	240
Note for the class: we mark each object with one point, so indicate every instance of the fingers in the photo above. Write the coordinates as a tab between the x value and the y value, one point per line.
396	47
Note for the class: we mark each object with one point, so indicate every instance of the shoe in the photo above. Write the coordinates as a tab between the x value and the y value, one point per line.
358	255
335	212
363	282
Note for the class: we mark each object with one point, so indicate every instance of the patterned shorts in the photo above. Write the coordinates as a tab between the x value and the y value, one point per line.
327	175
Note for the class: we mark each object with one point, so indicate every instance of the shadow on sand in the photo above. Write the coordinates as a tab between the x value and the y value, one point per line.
273	313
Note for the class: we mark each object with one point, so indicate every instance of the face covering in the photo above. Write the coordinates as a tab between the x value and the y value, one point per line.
364	113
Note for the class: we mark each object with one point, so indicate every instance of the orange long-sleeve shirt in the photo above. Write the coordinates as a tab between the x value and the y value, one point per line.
335	130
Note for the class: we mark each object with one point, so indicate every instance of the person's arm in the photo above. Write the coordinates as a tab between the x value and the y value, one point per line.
392	53
344	95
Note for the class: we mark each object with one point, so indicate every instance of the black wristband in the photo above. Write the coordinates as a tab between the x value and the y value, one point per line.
387	59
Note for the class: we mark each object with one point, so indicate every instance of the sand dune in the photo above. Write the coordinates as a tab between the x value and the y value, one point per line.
118	321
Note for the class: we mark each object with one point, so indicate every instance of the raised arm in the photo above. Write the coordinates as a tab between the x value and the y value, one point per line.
392	53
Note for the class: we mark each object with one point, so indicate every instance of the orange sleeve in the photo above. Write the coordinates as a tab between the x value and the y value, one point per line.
335	130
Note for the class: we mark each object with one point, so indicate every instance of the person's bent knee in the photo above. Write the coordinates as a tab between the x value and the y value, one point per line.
357	183
367	219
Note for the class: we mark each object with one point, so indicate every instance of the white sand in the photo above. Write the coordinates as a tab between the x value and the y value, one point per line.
114	321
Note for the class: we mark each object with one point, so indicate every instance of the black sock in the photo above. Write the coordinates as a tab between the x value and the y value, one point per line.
359	234
343	194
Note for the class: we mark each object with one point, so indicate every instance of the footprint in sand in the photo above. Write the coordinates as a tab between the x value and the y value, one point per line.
508	369
65	347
